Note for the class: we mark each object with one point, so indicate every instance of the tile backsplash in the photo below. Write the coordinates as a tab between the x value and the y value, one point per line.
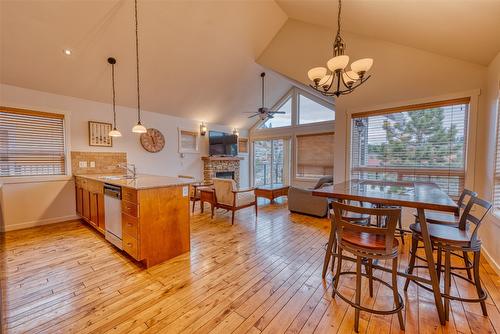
97	162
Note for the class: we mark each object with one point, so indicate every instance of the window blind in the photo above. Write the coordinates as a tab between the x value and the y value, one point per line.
315	155
31	143
414	143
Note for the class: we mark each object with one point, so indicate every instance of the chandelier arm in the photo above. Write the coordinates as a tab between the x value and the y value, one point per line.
349	90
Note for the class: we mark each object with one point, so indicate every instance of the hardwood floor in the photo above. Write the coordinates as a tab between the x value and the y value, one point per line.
258	276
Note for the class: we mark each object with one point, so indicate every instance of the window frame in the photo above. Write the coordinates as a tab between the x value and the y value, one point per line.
67	149
469	136
496	176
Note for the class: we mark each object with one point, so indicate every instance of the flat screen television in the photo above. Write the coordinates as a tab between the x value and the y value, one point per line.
222	144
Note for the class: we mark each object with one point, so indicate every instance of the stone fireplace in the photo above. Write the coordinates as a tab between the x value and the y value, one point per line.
221	167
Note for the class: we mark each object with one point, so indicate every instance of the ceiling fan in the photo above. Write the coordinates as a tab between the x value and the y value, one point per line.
263	112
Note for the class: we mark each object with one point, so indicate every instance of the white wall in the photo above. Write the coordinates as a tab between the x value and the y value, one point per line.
53	200
486	158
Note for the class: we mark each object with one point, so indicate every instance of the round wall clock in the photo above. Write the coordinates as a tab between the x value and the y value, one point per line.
153	140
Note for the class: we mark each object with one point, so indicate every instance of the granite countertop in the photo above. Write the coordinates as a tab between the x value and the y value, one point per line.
142	181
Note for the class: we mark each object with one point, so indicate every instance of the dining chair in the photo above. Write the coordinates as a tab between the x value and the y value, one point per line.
451	219
367	243
449	238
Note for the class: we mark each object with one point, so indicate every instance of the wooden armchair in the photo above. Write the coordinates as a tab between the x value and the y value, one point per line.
227	196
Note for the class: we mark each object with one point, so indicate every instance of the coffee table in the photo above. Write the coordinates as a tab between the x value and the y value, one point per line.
271	191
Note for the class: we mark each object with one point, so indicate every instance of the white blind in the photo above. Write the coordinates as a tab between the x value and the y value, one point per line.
31	143
496	188
315	155
414	143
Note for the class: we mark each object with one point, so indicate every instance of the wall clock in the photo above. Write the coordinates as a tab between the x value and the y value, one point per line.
153	140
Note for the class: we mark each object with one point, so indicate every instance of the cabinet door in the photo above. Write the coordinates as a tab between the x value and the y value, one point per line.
79	204
94	214
100	211
86	203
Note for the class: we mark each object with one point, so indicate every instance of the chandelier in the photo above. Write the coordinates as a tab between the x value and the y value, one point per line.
335	80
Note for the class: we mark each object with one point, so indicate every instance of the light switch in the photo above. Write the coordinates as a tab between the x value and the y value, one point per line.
185	191
92	164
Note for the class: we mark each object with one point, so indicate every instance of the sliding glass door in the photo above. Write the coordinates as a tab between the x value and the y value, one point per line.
271	161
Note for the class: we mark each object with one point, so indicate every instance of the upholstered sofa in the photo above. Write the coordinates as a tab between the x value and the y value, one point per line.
301	200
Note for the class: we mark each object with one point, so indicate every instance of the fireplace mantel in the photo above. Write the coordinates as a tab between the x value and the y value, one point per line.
215	158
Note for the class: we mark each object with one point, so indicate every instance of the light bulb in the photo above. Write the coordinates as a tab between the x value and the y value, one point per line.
114	133
316	74
338	63
139	128
362	65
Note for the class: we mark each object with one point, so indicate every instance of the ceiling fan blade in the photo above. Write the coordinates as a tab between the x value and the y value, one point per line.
253	115
277	112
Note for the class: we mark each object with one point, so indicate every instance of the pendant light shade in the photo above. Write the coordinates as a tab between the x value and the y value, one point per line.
138	128
114	132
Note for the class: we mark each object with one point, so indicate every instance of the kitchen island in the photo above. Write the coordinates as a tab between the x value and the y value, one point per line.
152	216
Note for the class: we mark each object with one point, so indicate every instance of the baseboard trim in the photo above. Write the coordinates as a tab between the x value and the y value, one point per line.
491	261
36	223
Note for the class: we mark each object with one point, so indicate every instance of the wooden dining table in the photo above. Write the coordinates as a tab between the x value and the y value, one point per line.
418	195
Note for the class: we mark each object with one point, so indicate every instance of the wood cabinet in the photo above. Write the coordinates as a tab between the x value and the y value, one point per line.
155	221
90	202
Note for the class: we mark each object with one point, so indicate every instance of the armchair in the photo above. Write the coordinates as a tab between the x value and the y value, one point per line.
227	196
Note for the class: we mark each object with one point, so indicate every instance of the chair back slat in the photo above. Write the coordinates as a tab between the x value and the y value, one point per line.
474	213
390	215
466	194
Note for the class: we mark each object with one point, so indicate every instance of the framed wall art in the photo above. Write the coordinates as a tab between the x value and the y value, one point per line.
99	134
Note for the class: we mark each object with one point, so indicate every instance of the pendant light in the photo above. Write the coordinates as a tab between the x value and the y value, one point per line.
335	79
138	128
114	132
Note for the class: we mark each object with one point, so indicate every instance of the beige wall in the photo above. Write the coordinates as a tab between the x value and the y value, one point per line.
400	75
486	157
27	204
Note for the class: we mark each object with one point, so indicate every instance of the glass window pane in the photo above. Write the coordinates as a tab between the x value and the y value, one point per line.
262	162
280	120
313	112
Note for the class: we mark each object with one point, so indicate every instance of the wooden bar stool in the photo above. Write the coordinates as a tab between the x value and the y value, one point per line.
450	219
448	238
367	243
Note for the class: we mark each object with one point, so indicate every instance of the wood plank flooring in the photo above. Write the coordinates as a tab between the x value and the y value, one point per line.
259	276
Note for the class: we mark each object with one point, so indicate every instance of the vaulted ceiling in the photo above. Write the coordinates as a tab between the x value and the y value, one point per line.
464	29
198	57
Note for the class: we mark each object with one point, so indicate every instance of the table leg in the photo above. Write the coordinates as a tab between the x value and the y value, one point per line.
432	268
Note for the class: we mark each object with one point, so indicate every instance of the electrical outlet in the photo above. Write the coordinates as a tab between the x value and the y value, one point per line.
82	164
92	164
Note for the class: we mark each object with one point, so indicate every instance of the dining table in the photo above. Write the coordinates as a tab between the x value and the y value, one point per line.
417	195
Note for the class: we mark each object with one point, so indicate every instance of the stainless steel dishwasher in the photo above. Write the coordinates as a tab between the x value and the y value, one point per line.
113	214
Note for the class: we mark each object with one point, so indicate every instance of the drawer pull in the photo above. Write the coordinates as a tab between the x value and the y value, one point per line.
129	244
129	225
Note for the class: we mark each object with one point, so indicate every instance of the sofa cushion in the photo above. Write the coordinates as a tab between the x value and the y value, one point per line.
324	179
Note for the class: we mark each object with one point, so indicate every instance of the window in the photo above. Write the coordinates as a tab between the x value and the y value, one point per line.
270	161
31	143
496	187
315	155
280	120
415	143
312	112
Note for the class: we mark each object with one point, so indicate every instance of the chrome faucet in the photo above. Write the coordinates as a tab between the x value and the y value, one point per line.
130	168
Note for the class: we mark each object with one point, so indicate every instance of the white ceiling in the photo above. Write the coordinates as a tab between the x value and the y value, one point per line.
197	57
464	29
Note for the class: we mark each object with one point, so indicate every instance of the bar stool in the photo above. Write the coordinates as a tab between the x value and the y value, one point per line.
450	219
367	243
448	238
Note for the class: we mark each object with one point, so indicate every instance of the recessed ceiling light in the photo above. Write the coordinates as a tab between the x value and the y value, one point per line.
67	52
